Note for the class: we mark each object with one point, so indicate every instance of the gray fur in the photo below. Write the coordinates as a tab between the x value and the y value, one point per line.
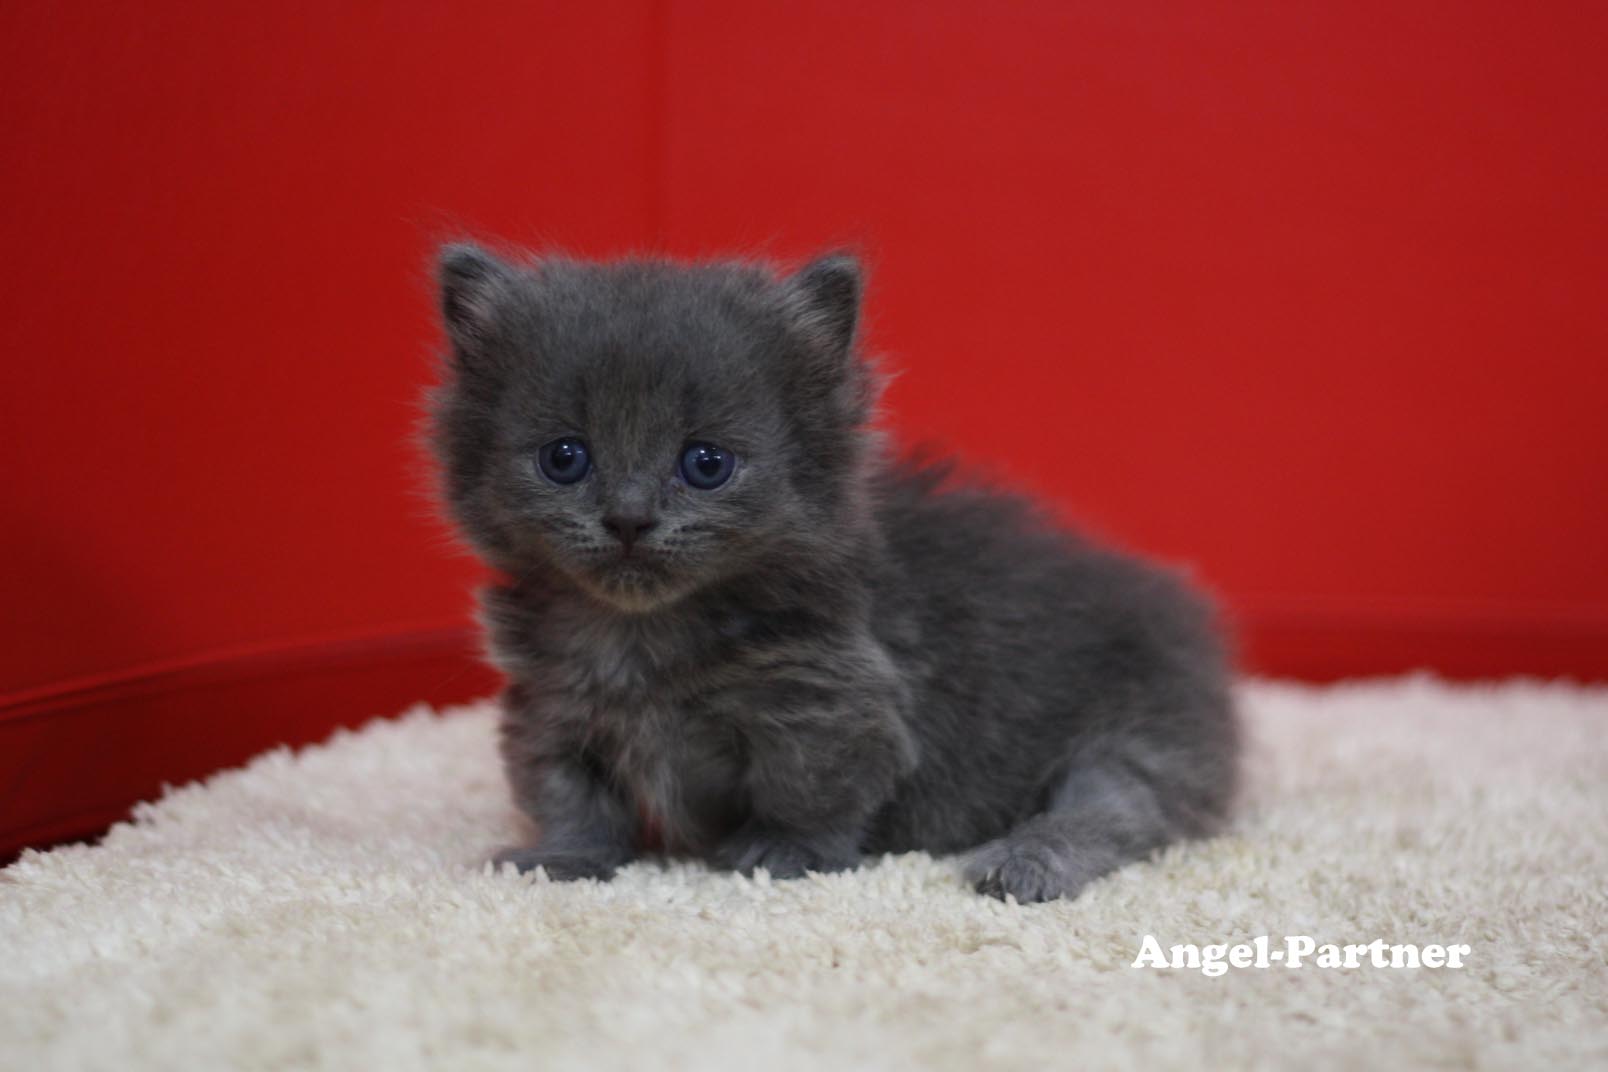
829	656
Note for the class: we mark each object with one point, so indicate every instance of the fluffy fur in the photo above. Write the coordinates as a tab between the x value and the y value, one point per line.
827	655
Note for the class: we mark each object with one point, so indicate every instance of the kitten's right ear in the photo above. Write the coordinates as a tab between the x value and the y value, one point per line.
473	284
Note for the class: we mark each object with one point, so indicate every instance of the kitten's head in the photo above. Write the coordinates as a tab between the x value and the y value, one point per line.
646	428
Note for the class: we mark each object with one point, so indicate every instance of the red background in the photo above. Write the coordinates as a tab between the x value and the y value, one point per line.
1311	296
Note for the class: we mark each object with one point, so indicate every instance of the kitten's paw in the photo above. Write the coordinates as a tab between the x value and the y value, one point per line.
559	867
1030	873
781	855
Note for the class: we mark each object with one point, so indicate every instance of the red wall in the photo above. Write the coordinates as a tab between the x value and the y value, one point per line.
1311	295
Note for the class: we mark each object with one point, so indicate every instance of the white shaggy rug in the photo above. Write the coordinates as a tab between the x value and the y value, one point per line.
328	910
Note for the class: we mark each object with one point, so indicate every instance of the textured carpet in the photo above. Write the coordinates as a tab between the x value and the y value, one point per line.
326	910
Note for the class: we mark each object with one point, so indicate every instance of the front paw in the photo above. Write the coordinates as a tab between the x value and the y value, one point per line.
558	866
784	855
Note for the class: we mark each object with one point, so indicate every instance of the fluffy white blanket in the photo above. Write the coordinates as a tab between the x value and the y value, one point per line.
328	909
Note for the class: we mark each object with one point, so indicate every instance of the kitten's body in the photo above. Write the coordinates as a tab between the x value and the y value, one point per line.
833	658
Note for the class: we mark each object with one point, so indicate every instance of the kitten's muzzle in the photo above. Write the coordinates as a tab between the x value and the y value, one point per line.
628	528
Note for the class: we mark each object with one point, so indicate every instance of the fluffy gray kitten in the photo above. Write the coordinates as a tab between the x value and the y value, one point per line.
736	629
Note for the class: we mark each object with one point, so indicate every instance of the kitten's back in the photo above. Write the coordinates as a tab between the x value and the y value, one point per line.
1026	646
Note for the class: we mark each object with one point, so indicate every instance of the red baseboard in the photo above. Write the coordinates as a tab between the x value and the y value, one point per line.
74	759
1326	640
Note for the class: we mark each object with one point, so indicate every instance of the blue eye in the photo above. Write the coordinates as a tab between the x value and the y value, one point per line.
564	461
706	466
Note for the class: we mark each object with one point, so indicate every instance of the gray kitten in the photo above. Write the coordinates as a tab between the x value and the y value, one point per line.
736	629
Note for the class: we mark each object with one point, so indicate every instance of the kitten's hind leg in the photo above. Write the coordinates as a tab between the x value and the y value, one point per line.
1099	818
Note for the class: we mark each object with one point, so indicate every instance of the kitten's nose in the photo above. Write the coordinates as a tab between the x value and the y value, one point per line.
628	528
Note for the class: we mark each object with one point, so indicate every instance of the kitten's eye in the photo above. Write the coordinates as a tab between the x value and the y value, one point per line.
564	461
706	466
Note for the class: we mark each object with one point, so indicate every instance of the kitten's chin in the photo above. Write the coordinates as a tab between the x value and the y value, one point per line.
634	591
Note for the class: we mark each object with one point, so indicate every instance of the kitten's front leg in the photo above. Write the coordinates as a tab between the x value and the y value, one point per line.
587	831
817	772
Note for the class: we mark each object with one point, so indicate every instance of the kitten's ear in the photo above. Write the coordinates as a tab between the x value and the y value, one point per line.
824	300
473	283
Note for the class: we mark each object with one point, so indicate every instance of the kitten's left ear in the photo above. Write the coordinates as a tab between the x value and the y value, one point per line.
824	299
